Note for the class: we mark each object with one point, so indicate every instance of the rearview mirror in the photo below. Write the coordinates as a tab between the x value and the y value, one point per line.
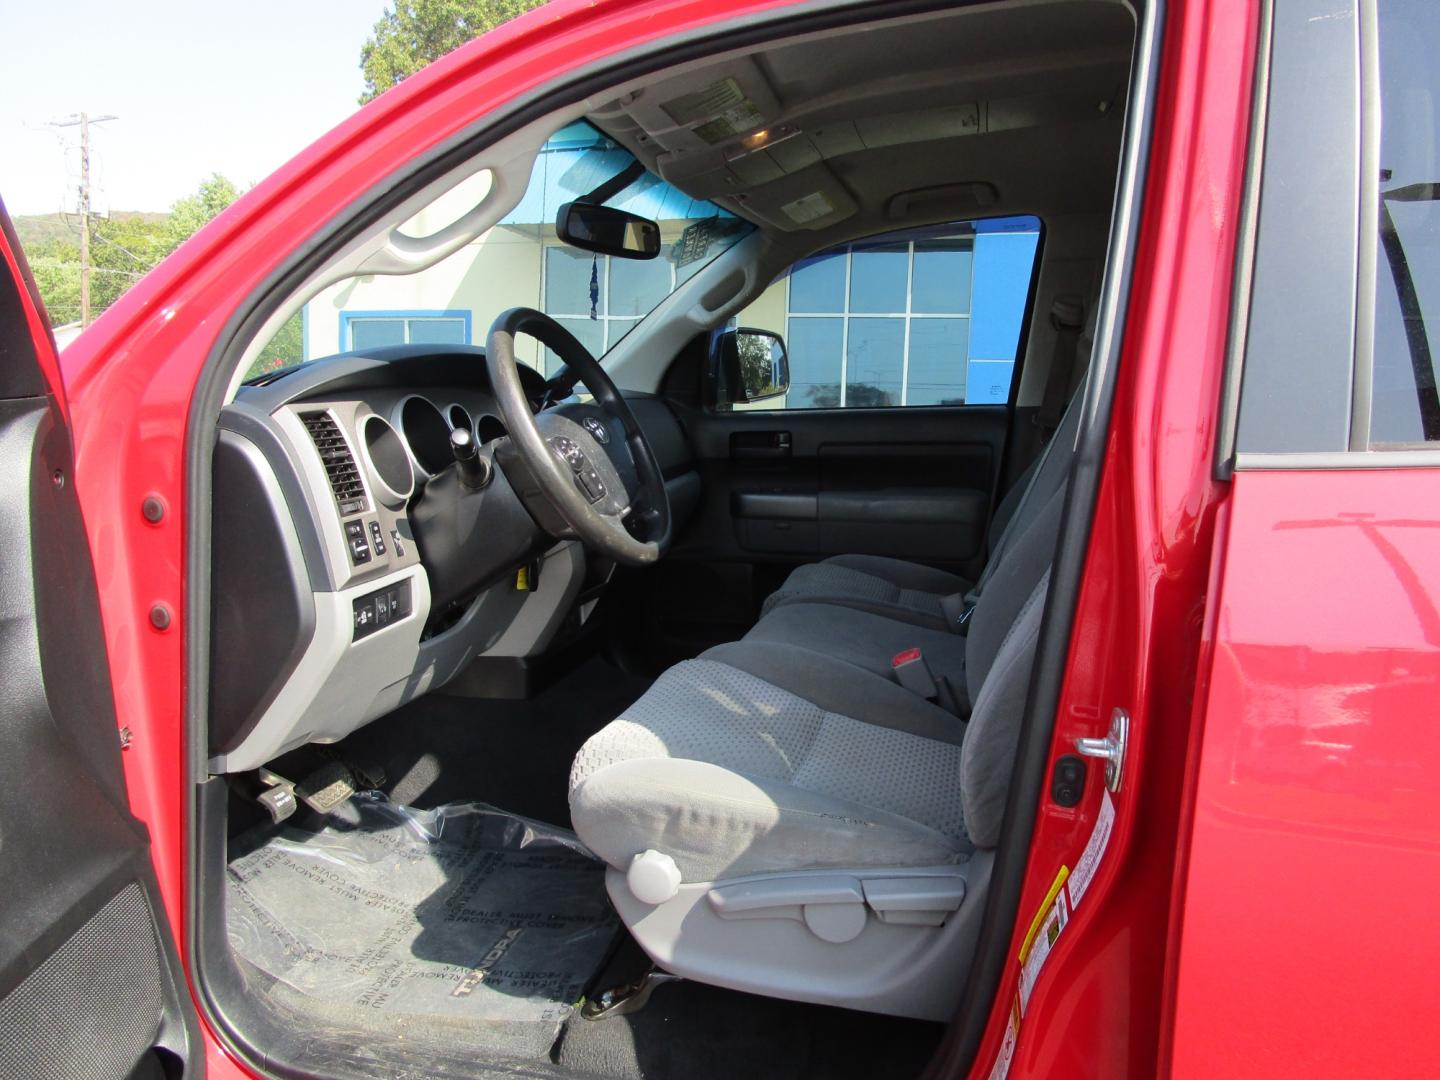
608	231
753	366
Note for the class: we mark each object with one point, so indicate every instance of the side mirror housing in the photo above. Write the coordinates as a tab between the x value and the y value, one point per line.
607	231
753	366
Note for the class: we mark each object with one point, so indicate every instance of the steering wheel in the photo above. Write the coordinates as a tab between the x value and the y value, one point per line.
588	463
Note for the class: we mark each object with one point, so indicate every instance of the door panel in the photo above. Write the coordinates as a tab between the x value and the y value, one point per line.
88	972
913	483
782	488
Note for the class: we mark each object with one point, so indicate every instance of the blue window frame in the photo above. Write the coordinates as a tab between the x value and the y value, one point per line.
377	329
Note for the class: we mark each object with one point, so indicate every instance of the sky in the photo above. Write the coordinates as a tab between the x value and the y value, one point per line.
197	87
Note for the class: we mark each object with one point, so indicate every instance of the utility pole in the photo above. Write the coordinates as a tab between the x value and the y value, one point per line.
84	120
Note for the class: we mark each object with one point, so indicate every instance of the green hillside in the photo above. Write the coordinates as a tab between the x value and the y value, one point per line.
37	229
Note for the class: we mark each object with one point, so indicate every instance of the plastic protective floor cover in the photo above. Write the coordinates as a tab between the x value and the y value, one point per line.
457	925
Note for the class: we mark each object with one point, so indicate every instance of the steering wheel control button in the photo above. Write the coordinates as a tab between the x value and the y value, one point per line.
377	610
569	452
359	546
588	481
377	539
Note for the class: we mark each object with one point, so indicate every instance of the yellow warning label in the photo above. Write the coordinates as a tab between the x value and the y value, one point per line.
522	579
1045	907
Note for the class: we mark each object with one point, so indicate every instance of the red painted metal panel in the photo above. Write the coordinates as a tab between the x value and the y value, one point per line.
1308	946
132	375
1097	1007
12	263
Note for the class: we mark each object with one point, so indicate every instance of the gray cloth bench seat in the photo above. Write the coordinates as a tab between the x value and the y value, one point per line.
871	641
923	595
780	817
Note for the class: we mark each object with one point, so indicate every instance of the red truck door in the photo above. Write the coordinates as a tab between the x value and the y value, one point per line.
90	984
1306	944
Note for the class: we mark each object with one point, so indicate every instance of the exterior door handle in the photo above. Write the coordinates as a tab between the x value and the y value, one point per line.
1110	749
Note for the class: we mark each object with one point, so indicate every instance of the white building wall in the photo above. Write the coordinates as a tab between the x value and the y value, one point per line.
499	270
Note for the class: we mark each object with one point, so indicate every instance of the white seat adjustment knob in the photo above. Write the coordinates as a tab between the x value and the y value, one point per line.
653	877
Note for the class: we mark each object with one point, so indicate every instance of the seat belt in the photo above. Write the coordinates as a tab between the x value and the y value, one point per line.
912	672
1067	316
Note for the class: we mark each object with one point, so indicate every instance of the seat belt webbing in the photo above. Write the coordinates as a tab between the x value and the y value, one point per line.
1067	316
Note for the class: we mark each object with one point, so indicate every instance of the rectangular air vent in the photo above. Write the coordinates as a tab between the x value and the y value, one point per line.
339	462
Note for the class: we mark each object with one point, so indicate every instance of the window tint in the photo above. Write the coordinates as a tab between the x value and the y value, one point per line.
941	278
878	278
925	317
1404	404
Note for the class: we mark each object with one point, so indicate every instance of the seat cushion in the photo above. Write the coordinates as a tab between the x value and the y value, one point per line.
900	590
863	638
730	774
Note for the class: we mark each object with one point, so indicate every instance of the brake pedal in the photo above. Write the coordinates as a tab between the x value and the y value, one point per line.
323	790
327	787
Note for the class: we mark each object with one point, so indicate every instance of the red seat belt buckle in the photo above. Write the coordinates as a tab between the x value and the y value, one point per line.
911	672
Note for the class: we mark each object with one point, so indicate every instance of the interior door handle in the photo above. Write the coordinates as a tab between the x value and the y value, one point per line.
760	444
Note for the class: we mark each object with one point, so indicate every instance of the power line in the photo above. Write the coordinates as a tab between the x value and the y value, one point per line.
84	120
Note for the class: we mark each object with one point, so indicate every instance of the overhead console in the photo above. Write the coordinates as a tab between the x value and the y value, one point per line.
775	135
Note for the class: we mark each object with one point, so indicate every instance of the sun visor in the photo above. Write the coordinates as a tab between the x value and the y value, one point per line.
811	199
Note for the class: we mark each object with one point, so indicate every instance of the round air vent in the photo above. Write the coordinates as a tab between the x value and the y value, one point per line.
460	419
489	428
390	472
428	433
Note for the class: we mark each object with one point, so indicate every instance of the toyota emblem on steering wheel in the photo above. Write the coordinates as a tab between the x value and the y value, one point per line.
596	428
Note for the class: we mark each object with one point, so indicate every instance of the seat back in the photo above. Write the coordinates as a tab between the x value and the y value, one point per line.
999	655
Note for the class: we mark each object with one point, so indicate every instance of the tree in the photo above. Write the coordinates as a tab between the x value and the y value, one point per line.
123	249
285	349
757	364
194	211
56	266
414	33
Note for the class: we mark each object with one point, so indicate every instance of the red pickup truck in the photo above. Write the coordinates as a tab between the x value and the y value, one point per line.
664	546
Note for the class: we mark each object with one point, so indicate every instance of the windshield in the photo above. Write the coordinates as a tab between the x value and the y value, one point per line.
519	263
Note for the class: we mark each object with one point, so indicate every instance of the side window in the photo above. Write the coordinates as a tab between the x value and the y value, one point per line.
375	329
924	317
1405	408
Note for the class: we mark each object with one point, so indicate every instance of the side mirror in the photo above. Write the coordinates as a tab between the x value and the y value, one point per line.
753	366
608	231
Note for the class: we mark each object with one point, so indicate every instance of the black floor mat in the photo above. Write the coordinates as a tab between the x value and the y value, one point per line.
515	754
461	926
707	1033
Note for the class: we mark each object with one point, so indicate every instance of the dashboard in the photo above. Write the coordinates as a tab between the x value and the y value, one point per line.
323	611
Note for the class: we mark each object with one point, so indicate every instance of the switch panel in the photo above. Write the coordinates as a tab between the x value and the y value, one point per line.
356	542
379	609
